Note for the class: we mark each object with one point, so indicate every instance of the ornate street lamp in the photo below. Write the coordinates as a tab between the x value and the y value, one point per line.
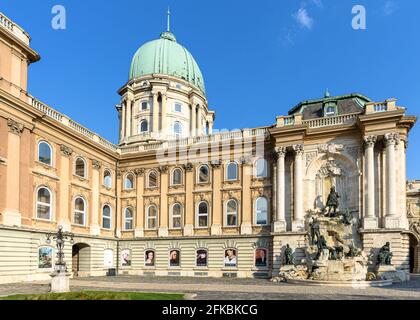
60	238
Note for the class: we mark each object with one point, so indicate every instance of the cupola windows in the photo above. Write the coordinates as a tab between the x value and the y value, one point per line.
144	126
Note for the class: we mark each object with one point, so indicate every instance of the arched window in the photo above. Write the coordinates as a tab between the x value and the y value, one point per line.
45	153
107	179
79	211
330	111
43	203
203	174
261	211
232	171
80	167
177	176
176	216
144	126
202	214
261	168
231	213
177	128
152	179
106	217
151	218
128	218
129	182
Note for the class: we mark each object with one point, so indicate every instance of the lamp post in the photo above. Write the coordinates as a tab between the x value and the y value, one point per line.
60	281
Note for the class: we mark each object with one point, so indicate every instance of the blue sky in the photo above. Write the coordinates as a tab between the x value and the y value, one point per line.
259	58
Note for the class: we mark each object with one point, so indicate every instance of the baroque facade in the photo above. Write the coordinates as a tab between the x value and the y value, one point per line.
175	197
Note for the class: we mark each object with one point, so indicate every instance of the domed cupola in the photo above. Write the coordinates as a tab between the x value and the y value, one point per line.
166	56
164	97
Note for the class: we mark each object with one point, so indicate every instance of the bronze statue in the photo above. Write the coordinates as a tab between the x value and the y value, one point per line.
347	217
315	233
321	244
385	255
332	202
288	254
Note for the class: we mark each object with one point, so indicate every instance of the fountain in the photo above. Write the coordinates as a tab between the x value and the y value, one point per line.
333	255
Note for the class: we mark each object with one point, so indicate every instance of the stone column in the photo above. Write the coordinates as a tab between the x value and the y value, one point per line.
95	228
217	216
392	219
139	229
193	120
402	147
164	128
189	200
155	126
163	212
370	221
280	221
11	214
210	131
64	216
298	223
128	118
119	109
199	121
246	225
119	208
123	119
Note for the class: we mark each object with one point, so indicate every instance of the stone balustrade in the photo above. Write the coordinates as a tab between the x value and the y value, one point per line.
332	121
17	31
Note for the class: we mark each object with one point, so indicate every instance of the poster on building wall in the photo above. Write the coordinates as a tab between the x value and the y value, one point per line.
230	258
108	258
261	258
174	258
45	258
201	258
149	258
126	257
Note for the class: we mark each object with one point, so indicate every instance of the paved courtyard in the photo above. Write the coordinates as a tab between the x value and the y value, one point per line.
226	289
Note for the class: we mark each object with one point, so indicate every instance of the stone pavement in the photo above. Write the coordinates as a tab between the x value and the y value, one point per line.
226	289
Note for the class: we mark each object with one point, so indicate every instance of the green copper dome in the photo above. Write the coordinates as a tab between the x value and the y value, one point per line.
166	56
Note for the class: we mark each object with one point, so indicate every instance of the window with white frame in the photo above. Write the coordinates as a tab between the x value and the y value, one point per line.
176	216
231	213
151	217
107	179
177	128
202	214
232	171
80	167
261	168
79	211
45	153
144	126
178	107
144	105
106	217
152	179
203	174
129	182
261	206
177	176
43	203
128	218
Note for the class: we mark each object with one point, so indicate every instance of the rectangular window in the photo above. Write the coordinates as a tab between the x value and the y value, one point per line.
79	218
144	105
106	222
178	107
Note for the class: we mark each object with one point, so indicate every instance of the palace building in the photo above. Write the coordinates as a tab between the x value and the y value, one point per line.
175	197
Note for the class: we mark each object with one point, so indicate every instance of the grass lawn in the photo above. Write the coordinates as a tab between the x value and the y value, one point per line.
96	295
